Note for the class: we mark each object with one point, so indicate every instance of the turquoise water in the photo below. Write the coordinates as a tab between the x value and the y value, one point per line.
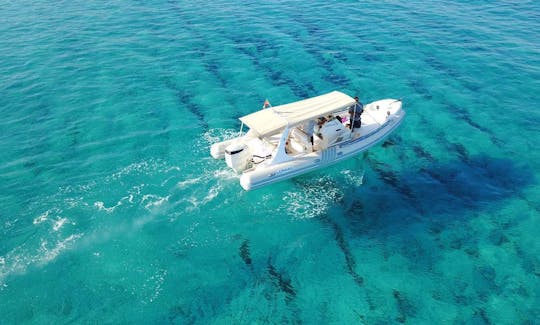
112	210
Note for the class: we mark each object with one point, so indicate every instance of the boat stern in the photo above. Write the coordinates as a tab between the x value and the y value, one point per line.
217	150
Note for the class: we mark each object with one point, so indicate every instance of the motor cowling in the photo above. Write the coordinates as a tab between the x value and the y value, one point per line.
237	156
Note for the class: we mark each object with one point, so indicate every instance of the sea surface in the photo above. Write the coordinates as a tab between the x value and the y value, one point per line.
112	210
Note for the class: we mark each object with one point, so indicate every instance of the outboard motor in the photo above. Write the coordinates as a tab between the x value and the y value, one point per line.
237	156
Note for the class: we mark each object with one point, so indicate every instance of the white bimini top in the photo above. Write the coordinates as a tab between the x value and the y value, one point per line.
271	120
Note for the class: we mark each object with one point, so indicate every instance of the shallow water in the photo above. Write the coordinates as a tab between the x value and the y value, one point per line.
113	211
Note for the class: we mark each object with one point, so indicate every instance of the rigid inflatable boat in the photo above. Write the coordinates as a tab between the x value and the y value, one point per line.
292	139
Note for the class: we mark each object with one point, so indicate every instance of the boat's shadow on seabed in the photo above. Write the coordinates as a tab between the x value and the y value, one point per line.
437	192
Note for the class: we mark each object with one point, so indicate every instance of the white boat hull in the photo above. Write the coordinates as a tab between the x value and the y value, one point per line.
379	124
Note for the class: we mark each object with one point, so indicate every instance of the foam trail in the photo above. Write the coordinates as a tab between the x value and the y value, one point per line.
18	260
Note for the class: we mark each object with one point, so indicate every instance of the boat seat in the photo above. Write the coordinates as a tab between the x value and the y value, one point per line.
330	133
260	148
299	141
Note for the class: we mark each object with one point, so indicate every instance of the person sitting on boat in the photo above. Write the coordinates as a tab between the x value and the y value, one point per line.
355	111
318	127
